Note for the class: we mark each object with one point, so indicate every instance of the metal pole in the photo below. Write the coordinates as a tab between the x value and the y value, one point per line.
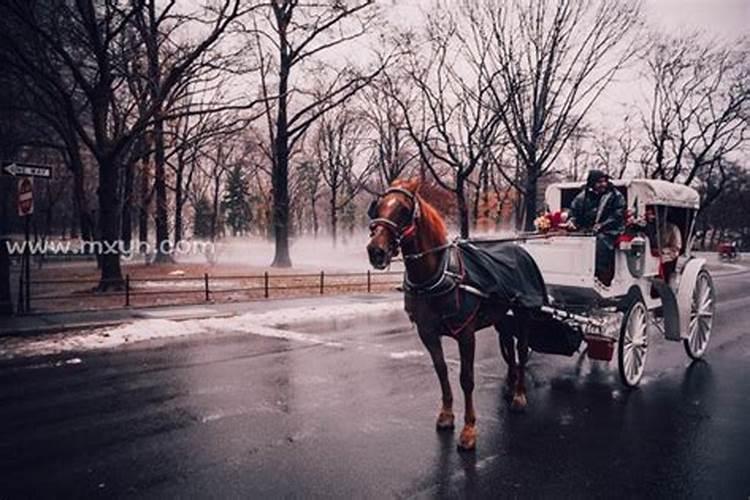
20	291
369	281
127	290
322	279
27	258
205	281
265	284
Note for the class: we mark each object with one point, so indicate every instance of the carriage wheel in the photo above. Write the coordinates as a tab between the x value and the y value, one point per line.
701	316
633	345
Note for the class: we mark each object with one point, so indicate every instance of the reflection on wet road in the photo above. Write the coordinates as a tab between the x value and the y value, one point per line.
246	415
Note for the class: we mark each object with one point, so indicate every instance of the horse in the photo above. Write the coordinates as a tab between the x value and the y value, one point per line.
402	220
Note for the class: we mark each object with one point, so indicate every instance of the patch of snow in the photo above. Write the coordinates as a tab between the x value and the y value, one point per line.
262	324
406	354
177	272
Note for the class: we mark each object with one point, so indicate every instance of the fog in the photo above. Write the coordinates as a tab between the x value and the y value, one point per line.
308	254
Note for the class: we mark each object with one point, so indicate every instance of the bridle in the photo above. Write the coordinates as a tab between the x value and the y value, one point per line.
400	233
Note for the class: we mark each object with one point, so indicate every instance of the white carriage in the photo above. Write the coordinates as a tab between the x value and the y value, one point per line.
639	297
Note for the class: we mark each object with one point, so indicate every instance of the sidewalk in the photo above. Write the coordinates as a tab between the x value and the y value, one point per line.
59	322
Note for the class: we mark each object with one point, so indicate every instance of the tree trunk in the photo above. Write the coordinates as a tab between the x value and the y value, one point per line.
79	200
178	203
280	176
6	299
145	199
314	217
163	253
475	207
215	209
463	209
530	189
334	217
109	225
127	207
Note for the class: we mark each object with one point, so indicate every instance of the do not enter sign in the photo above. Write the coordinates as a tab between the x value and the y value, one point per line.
25	196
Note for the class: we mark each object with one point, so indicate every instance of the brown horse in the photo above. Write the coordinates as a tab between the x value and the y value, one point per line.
402	220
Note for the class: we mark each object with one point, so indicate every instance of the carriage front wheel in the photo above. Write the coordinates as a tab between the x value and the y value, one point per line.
701	316
632	347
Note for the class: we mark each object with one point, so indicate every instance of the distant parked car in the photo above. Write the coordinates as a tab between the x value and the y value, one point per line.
728	250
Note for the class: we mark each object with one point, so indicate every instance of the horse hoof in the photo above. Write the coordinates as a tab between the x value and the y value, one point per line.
445	421
519	403
468	439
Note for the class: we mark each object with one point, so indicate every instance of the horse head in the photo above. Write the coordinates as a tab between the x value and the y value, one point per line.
393	218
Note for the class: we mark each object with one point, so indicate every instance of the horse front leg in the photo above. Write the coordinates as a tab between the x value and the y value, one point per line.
445	419
466	346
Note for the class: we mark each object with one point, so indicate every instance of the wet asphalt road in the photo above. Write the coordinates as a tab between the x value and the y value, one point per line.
254	417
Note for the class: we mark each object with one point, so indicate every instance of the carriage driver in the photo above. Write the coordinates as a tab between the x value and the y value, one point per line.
600	208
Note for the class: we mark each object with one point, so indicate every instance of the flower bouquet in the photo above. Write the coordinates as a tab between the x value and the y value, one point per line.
550	221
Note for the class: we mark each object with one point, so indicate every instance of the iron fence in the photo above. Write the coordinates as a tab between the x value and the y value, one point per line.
195	289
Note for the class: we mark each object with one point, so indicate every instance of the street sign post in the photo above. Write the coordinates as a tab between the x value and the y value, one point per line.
25	173
19	169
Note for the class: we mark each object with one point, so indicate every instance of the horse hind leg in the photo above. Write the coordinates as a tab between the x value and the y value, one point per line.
508	352
519	401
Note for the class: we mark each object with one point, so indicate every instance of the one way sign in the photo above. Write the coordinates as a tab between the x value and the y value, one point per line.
26	170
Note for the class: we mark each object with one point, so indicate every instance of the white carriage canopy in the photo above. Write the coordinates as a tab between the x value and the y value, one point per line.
638	192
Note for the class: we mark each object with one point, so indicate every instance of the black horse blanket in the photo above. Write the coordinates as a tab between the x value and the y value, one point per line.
504	271
501	272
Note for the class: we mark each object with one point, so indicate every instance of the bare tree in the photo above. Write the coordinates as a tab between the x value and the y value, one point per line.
615	151
457	130
338	145
291	36
391	151
699	106
309	187
549	62
83	49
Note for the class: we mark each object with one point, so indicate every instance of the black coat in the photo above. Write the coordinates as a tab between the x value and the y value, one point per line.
607	210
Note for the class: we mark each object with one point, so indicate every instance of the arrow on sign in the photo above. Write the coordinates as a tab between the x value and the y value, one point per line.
27	170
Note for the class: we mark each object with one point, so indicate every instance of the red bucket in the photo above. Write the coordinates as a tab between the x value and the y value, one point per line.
600	348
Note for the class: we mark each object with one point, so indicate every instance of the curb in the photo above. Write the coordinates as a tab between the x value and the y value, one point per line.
18	332
90	325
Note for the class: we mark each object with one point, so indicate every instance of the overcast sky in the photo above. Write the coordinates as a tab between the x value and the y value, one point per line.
723	18
718	20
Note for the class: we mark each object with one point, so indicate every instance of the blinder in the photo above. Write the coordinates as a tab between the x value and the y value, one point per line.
372	210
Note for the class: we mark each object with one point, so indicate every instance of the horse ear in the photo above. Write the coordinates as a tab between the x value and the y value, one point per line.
414	184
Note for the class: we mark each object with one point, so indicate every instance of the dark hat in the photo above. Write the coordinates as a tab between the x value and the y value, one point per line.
594	176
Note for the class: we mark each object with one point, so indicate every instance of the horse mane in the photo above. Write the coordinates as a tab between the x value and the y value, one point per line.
433	222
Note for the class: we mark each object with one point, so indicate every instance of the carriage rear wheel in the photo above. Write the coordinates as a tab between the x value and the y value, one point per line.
701	316
632	347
